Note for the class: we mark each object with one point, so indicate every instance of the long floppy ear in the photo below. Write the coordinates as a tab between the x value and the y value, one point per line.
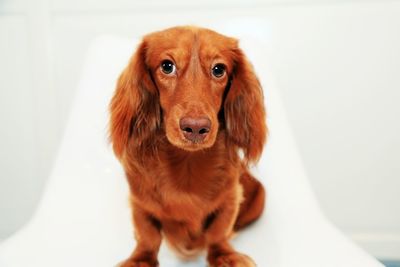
244	109
135	109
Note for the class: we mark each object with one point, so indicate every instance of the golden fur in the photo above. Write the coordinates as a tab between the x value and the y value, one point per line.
196	192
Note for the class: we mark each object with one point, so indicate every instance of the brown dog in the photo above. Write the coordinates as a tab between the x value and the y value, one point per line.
184	107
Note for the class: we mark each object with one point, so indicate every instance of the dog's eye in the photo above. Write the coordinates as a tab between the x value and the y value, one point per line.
168	67
218	70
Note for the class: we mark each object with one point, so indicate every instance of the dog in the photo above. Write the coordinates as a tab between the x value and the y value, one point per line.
186	120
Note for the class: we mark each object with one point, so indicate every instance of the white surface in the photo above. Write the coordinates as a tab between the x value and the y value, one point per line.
83	218
16	109
337	64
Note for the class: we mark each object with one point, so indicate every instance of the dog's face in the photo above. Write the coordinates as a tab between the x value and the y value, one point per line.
188	83
191	69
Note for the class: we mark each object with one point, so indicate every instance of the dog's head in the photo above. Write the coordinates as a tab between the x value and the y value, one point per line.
188	83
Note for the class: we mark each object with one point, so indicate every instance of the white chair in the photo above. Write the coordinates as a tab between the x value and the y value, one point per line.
84	218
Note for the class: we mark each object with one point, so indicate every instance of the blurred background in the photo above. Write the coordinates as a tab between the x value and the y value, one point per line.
337	64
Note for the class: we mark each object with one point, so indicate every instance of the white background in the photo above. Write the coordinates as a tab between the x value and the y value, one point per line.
337	64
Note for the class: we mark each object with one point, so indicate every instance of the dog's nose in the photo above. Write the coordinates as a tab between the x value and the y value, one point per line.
195	129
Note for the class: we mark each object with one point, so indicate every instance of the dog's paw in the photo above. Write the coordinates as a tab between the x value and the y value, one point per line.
233	260
138	263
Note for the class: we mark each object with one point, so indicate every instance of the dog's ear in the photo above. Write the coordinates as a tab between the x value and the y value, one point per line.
135	109
244	109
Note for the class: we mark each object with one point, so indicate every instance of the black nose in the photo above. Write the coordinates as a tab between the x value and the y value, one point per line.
195	129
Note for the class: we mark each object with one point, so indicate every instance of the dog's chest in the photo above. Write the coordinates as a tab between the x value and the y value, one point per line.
186	188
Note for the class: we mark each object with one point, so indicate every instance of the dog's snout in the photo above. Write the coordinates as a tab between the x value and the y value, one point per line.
195	129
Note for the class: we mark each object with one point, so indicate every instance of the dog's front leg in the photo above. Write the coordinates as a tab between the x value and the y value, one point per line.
148	238
220	253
